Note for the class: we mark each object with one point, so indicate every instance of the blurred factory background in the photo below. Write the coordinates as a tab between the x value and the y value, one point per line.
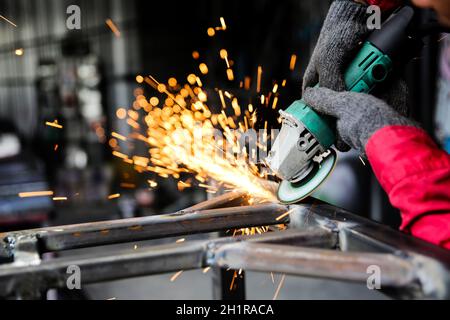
83	79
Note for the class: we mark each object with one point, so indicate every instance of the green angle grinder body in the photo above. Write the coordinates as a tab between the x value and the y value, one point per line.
370	66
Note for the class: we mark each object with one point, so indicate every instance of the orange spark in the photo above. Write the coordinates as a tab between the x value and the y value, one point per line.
277	292
113	27
9	21
175	276
54	124
258	83
119	136
293	62
35	194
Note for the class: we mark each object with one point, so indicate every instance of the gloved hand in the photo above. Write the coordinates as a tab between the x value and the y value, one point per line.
358	115
344	29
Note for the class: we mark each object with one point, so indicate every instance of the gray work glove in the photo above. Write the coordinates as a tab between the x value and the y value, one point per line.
358	115
344	29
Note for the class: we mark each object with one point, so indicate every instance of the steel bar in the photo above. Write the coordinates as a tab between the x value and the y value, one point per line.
21	277
349	266
29	280
407	264
136	229
314	238
360	234
230	199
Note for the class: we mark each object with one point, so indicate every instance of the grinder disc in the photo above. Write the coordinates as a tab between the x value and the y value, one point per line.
289	193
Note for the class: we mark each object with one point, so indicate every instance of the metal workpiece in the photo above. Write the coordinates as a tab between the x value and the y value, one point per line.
153	227
101	267
128	263
337	265
230	199
316	240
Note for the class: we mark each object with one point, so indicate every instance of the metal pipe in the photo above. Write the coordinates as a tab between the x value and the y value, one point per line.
96	267
29	280
230	199
137	229
313	238
349	266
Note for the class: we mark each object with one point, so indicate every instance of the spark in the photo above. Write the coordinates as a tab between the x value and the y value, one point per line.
277	292
230	74
113	298
113	27
56	147
272	277
183	185
118	136
196	54
223	24
152	184
258	83
59	198
284	215
232	281
293	62
120	155
275	102
206	270
121	113
362	160
180	136
175	276
180	240
127	185
135	247
211	32
114	196
9	21
54	124
203	68
19	52
275	88
35	194
247	83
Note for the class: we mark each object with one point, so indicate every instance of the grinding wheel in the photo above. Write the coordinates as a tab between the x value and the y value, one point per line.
289	193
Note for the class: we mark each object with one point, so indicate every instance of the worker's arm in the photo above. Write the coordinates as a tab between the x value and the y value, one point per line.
414	172
385	5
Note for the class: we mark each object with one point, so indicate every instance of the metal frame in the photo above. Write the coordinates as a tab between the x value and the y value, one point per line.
321	241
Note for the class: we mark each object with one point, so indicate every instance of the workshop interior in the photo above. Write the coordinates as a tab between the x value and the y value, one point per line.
161	150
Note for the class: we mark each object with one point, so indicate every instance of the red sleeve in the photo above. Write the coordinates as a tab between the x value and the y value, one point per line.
385	4
415	173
